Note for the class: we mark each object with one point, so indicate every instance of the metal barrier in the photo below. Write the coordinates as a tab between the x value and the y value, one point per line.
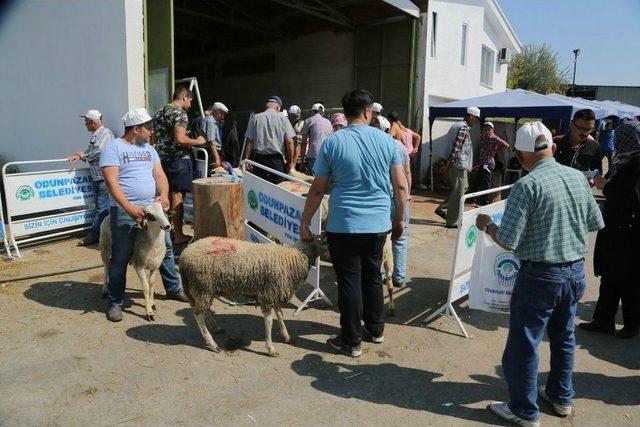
47	203
7	247
200	170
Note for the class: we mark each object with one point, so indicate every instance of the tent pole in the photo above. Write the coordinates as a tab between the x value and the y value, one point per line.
431	152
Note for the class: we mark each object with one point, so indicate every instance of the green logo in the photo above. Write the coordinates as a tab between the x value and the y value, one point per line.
252	199
24	193
472	234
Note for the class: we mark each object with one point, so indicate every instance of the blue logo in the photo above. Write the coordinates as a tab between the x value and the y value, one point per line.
506	268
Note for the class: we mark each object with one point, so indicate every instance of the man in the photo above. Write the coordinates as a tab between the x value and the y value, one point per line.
376	108
577	149
607	140
174	147
358	161
100	135
459	164
490	145
294	115
269	138
546	222
134	175
315	130
209	127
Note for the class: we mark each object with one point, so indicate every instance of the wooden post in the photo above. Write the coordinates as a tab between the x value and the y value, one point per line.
217	208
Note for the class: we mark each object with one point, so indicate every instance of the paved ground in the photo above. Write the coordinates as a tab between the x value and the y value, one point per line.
62	363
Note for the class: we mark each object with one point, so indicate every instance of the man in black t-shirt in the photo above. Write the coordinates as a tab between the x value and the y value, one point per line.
577	149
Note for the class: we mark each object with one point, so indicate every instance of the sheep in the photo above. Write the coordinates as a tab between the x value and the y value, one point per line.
149	250
218	266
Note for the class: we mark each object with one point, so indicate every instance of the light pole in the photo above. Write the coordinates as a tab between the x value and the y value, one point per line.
576	52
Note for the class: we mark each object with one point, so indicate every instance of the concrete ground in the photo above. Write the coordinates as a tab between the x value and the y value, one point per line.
63	363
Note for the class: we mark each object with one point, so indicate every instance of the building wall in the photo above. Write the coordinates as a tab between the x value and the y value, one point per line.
626	94
59	59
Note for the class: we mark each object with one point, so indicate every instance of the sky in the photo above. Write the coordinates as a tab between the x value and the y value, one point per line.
607	32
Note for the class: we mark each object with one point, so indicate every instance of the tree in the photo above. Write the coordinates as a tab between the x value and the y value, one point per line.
536	69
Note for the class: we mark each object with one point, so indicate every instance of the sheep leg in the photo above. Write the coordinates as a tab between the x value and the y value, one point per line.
268	323
208	339
144	279
283	328
152	278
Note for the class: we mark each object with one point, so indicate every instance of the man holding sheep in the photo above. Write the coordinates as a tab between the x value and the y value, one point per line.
134	176
359	161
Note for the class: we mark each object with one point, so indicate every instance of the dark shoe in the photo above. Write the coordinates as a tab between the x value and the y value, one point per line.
398	284
114	313
627	332
442	214
368	336
594	326
337	343
87	241
178	296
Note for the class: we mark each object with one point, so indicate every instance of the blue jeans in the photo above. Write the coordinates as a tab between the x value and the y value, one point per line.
400	250
102	208
544	298
123	235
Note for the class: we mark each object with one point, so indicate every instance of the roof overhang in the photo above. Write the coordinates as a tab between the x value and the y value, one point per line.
495	13
407	6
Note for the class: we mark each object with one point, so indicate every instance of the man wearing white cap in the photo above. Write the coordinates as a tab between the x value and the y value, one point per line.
295	118
489	146
100	135
546	222
209	128
459	164
315	130
134	176
376	109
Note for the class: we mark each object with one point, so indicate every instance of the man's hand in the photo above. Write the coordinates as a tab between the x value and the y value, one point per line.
482	220
600	181
397	228
305	232
76	156
164	201
201	140
136	212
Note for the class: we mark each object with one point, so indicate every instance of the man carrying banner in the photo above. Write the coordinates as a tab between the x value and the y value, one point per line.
546	222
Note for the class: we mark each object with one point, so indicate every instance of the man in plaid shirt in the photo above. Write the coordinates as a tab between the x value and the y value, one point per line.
546	222
490	145
100	135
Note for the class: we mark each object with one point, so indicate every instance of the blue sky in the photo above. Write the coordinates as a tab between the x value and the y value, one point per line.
607	32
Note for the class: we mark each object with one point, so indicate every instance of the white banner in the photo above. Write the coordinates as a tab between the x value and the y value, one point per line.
52	222
33	192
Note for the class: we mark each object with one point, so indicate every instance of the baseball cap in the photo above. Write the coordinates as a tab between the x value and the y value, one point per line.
339	119
92	115
489	124
275	99
474	111
385	125
317	107
219	106
377	107
533	137
135	117
294	110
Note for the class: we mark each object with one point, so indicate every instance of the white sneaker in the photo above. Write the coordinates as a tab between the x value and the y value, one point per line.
502	410
561	410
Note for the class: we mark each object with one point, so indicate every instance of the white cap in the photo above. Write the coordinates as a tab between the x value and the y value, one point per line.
377	107
219	106
135	117
317	107
474	111
92	115
533	137
384	123
489	124
294	110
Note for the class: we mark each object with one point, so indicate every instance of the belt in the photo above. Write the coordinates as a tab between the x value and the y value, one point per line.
549	264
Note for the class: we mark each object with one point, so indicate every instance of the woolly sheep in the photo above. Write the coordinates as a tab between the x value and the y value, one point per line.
149	250
217	266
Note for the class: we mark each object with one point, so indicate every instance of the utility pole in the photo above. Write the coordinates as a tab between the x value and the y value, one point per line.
576	52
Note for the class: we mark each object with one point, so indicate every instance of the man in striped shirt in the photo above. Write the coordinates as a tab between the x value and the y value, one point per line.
100	135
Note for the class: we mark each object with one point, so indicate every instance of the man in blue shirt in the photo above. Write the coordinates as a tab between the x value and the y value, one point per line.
134	175
359	160
607	140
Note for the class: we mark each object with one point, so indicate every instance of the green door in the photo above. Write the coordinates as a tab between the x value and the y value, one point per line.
158	34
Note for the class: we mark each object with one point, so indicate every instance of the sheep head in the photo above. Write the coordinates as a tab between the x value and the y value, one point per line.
312	248
155	212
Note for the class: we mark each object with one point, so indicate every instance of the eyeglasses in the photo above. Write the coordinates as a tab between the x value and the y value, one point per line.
583	129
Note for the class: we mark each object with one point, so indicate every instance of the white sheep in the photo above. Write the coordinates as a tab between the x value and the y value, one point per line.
217	266
149	250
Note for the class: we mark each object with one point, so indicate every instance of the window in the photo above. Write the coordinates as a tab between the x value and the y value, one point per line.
463	45
487	66
434	29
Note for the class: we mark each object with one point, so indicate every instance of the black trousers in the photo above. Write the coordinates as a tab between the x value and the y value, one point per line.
273	161
484	183
356	260
612	290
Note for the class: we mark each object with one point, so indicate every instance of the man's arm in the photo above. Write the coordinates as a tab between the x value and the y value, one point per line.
400	200
181	138
111	174
248	149
415	138
303	149
162	185
288	143
314	198
484	223
503	144
462	136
